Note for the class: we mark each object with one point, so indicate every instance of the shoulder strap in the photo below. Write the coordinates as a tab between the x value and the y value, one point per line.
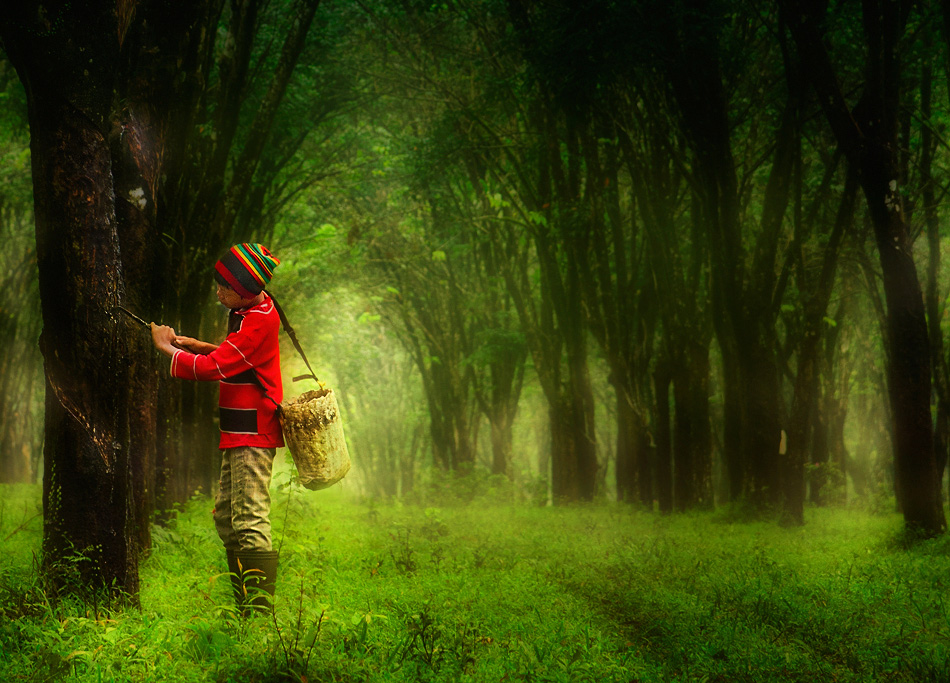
293	338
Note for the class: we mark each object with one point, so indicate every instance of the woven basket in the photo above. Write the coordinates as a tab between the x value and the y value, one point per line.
314	435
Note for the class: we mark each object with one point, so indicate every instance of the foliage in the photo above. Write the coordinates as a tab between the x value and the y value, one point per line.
488	591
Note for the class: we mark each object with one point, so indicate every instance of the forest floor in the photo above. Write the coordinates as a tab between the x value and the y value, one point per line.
496	591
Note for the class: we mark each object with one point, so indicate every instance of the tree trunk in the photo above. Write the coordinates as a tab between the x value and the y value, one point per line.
501	447
835	416
698	402
761	424
634	472
68	73
684	472
87	478
908	372
138	243
664	439
626	454
573	454
732	427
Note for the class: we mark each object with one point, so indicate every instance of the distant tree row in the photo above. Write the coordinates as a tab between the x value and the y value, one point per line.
709	194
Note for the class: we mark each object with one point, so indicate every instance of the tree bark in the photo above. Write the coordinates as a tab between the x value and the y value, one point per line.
573	454
664	438
625	452
684	472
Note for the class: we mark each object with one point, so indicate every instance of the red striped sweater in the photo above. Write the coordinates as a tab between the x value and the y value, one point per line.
247	364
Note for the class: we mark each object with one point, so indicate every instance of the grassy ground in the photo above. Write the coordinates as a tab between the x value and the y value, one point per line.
498	592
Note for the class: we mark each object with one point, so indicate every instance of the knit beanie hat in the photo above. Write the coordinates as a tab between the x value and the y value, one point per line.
246	268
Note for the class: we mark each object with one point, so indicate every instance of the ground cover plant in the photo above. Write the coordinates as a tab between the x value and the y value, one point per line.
490	590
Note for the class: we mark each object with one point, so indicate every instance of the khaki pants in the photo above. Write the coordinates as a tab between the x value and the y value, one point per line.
242	507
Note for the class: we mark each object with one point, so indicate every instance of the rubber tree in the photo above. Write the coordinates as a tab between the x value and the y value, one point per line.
509	137
868	135
69	57
620	176
744	241
677	255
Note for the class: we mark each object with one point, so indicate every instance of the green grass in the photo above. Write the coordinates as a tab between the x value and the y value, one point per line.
494	592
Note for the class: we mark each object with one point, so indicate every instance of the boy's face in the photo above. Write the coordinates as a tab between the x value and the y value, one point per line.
229	298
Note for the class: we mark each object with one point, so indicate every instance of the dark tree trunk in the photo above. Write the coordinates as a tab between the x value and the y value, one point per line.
909	377
68	74
692	438
732	428
744	282
634	472
506	374
573	453
761	424
684	468
820	459
701	432
835	415
626	458
138	243
501	448
664	439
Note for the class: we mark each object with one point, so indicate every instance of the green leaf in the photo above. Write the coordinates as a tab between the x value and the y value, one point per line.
367	318
537	217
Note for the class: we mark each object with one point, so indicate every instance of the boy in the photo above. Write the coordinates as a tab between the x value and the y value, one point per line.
247	364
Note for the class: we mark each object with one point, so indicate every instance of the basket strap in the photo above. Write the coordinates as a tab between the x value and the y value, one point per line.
293	338
270	398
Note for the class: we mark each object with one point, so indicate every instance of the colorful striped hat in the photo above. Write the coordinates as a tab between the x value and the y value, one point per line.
246	268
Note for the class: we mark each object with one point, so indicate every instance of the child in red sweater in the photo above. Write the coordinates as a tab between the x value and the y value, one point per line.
247	365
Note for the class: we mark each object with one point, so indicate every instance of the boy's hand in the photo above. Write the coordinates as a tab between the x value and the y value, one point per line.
163	337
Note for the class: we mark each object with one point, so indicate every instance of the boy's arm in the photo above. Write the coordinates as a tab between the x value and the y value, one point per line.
240	352
194	345
168	342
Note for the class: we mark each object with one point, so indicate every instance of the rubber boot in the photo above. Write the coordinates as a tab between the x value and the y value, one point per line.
256	579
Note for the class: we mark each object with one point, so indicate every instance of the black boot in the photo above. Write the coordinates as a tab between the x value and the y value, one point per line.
254	578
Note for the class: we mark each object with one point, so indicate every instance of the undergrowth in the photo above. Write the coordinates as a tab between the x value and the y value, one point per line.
496	591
